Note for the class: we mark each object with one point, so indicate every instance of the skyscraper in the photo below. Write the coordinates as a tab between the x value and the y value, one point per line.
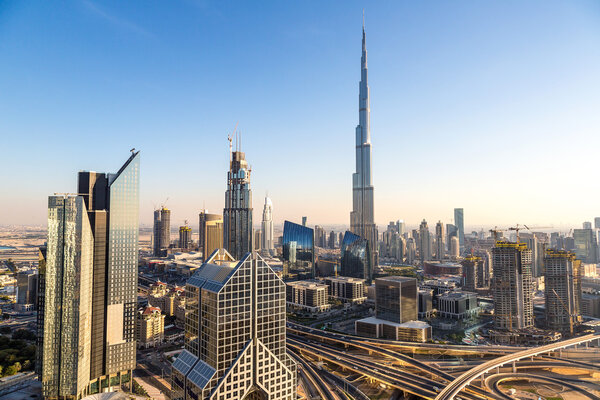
459	221
424	242
237	214
235	341
355	257
512	286
90	285
185	237
597	222
298	252
586	245
210	232
68	313
362	217
267	226
587	225
440	246
162	230
563	290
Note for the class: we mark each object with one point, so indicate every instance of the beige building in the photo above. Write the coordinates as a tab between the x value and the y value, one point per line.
210	233
168	301
347	289
150	327
411	331
307	295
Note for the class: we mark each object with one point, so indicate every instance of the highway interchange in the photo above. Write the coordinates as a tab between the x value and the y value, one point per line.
383	362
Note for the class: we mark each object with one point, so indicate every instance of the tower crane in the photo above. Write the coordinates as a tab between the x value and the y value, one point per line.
230	139
571	316
518	228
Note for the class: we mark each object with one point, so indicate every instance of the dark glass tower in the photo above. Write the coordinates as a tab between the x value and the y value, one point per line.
298	252
237	214
356	257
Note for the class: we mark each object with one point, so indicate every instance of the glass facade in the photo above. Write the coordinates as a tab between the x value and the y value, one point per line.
124	188
65	369
298	252
356	258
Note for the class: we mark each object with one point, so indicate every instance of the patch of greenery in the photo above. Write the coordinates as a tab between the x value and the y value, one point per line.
15	355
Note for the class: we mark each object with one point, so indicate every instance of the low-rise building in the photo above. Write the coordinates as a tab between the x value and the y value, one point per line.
150	327
457	305
307	295
590	303
411	331
346	289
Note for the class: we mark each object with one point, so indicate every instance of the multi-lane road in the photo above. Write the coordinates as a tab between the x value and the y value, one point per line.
425	379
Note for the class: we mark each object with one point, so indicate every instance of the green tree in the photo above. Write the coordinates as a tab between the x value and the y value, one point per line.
11	370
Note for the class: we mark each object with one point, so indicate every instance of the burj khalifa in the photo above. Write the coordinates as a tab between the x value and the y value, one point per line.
362	220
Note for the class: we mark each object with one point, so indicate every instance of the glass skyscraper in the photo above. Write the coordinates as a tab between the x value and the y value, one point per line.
356	259
87	337
459	221
298	252
235	341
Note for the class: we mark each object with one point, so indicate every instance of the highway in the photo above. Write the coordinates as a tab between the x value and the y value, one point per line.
318	385
451	390
495	350
389	375
492	383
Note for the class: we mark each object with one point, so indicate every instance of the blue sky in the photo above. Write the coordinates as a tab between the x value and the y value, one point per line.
491	106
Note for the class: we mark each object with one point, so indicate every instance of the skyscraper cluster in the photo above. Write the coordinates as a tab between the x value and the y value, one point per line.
89	276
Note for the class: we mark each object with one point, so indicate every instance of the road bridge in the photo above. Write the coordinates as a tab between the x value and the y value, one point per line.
452	389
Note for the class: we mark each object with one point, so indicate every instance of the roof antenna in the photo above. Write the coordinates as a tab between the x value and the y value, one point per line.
363	19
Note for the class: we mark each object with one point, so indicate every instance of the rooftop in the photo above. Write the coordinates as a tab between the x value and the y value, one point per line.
409	324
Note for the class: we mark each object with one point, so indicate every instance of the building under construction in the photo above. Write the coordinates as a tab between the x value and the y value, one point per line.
512	286
563	290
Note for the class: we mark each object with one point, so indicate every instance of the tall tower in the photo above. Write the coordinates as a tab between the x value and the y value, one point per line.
89	281
362	219
459	221
563	290
237	214
425	242
440	246
511	286
267	225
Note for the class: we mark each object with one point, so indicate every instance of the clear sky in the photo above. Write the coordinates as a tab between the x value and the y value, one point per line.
488	105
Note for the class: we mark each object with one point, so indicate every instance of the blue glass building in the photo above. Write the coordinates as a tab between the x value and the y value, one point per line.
298	252
356	257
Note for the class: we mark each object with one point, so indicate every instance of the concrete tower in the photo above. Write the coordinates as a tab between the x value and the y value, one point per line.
267	225
362	219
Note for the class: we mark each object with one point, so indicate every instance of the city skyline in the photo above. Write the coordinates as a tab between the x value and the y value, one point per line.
482	102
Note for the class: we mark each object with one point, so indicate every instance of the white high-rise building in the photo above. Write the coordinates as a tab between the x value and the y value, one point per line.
267	225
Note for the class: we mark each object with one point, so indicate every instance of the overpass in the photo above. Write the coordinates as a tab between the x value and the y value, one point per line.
452	389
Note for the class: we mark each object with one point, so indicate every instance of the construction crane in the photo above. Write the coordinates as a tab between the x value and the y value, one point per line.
519	228
230	139
571	316
164	203
496	232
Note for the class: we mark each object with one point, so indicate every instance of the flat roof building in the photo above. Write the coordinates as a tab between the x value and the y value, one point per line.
347	289
307	295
